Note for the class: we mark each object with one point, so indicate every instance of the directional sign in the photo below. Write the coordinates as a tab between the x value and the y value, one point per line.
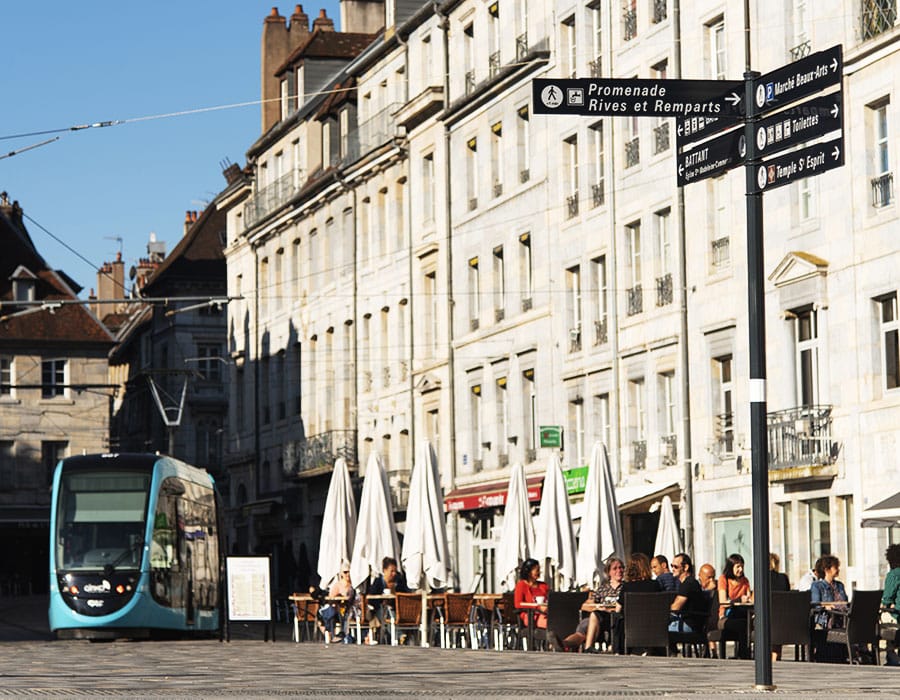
692	129
798	79
711	158
804	122
805	162
638	97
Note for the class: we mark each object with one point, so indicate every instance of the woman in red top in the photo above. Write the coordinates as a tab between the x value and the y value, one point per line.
531	593
734	588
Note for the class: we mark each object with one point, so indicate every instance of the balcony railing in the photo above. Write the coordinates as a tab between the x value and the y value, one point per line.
724	434
882	190
498	189
572	205
473	203
385	376
801	437
597	195
503	459
319	451
664	289
668	449
601	331
632	152
660	11
629	24
493	64
596	67
404	371
575	339
634	300
527	303
876	17
521	46
721	251
272	197
801	50
661	141
639	454
524	175
378	129
473	324
470	82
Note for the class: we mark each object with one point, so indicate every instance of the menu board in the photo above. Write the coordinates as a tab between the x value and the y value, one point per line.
249	591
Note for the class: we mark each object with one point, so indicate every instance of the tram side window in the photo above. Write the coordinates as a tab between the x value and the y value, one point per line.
165	565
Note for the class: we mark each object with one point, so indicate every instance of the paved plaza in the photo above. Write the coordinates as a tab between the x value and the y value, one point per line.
31	665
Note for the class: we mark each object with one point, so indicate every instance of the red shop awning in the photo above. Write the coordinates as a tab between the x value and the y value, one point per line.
490	495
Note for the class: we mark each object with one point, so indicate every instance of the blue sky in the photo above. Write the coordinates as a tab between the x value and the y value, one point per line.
71	63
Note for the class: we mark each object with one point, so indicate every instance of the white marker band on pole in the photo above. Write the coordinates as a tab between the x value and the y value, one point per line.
757	391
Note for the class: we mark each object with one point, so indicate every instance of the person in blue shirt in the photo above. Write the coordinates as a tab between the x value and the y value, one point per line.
830	593
659	565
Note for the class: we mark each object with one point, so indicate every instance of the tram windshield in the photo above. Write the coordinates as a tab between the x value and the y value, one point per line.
100	520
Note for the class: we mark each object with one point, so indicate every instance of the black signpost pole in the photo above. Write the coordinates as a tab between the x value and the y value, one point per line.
757	346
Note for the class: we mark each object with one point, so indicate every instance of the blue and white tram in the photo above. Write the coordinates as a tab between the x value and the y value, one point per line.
134	548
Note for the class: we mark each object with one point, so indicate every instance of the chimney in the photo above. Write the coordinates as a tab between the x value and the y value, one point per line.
110	285
323	22
363	16
278	41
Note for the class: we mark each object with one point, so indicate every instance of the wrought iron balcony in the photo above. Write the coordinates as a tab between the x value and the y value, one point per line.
493	64
521	46
503	459
801	445
317	453
876	17
660	11
721	251
527	303
638	454
473	324
668	449
575	339
632	152
634	300
470	82
664	289
572	205
378	129
597	195
801	50
473	203
404	371
524	175
530	455
272	197
386	376
724	445
601	332
498	189
596	67
661	141
882	190
499	315
629	24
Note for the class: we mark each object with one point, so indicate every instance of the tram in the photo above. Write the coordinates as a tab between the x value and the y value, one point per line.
134	548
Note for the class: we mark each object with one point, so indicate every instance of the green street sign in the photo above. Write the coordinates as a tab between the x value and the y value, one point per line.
551	436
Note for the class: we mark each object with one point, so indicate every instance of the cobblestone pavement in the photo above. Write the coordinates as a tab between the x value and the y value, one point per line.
33	666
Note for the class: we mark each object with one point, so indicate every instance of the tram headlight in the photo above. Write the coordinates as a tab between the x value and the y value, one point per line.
73	590
120	589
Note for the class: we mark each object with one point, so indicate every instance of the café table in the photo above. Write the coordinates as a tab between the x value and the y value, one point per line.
530	609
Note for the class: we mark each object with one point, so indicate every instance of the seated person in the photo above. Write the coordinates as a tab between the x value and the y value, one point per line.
390	581
598	621
660	567
691	606
734	588
528	589
337	612
890	597
638	579
706	575
829	592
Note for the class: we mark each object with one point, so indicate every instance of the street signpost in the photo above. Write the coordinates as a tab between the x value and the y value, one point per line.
770	121
638	97
805	162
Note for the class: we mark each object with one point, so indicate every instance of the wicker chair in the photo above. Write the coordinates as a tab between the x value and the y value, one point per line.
790	622
563	616
860	629
406	615
457	618
506	628
306	619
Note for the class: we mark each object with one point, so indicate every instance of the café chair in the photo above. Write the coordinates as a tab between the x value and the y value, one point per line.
458	627
696	642
563	616
859	628
405	615
790	622
647	620
306	617
506	628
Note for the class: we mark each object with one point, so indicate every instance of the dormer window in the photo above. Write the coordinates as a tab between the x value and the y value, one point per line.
23	284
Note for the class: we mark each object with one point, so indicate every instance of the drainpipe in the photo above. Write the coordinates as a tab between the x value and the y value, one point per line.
687	495
354	350
448	232
257	370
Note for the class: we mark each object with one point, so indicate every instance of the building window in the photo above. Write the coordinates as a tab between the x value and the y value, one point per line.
599	284
799	43
494	39
660	11
598	185
6	376
475	415
715	32
497	159
385	347
576	430
263	287
806	198
469	58
629	19
890	340
474	294
661	137
818	516
573	294
721	240
570	164
502	406
472	173
499	275
637	423
667	419
883	181
428	188
723	395
568	49
595	24
806	334
529	412
877	17
602	422
431	312
664	287
526	271
523	154
209	361
285	99
633	273
845	508
632	142
53	378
